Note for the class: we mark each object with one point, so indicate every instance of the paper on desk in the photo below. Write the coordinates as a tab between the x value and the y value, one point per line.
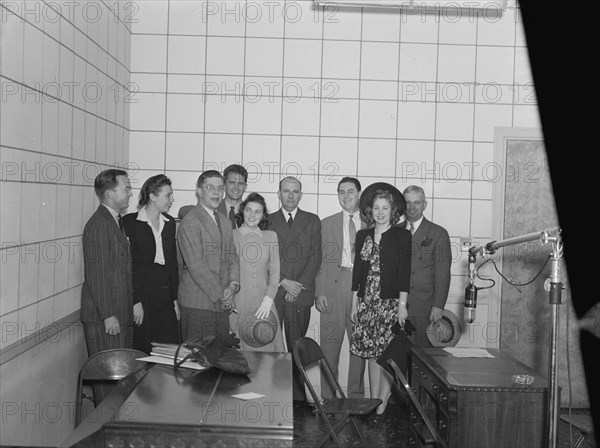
169	361
248	396
468	352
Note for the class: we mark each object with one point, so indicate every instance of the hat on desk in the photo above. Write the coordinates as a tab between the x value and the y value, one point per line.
257	332
445	332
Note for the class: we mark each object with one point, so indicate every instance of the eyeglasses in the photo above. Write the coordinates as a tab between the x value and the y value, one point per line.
210	187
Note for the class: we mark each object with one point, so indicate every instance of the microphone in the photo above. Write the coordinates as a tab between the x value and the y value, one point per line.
470	292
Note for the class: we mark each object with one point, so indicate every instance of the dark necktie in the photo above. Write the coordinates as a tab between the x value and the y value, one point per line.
120	221
216	215
232	216
290	220
352	234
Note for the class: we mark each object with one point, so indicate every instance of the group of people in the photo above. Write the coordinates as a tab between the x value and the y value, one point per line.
148	280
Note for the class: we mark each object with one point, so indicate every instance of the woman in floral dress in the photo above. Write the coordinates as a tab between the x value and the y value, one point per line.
380	281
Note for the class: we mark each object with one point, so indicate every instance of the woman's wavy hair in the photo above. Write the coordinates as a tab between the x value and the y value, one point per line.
253	197
152	186
397	209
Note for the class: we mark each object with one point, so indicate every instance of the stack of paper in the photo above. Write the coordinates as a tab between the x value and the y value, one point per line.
165	354
468	352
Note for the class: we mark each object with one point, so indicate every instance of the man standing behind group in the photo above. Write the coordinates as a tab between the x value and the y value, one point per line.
107	293
236	181
209	271
431	258
299	237
334	284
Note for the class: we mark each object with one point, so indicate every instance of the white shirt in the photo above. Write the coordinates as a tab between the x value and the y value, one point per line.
347	260
415	224
286	216
159	255
211	213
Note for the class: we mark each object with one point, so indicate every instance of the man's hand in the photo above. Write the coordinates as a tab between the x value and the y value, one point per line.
289	297
177	310
436	314
229	292
111	325
226	304
138	313
292	287
321	304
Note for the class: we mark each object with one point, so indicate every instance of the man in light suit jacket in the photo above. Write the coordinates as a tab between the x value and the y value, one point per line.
107	310
334	284
299	237
209	269
431	258
236	182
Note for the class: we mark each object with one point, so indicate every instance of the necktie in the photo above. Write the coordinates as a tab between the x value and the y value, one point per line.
216	215
120	221
290	220
412	228
232	216
352	234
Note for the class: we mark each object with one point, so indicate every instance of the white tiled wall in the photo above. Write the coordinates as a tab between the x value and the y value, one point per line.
64	67
286	89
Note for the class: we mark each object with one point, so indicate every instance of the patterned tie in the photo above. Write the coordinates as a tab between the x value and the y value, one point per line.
412	228
352	233
120	221
232	216
290	220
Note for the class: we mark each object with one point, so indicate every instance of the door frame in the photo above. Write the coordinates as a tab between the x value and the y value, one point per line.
501	137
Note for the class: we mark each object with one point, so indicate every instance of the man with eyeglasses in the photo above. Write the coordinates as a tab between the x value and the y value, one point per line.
209	271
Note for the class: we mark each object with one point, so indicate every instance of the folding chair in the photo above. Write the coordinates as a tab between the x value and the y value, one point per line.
428	434
107	365
307	353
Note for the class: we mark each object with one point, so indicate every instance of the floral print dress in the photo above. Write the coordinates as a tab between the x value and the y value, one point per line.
372	330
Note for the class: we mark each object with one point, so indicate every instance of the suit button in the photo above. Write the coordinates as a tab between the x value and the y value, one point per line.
335	281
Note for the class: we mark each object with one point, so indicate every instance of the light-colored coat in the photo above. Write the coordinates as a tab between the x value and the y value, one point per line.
207	260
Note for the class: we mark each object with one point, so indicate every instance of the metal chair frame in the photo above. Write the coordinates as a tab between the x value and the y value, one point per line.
107	365
307	353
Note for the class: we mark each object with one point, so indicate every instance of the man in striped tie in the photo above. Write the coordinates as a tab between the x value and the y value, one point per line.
236	182
334	282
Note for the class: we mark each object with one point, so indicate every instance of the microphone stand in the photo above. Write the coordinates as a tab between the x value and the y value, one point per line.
554	287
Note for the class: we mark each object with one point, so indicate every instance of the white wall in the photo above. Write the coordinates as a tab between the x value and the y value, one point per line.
63	71
377	94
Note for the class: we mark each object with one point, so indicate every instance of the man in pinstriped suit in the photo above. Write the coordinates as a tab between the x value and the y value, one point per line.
107	295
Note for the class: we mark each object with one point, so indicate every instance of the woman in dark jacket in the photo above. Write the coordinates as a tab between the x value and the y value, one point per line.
380	281
151	234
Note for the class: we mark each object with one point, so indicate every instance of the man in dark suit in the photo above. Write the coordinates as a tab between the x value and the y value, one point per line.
299	237
334	284
431	258
107	310
236	181
209	269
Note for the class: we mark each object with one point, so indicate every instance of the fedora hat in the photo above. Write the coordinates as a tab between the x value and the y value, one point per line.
445	332
257	332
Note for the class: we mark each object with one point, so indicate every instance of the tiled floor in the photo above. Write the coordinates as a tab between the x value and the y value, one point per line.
387	430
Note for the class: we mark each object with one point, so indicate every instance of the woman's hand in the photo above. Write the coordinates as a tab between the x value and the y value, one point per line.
402	311
177	310
138	313
354	306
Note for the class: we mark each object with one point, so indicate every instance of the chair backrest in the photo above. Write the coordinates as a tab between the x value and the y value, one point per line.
113	364
308	353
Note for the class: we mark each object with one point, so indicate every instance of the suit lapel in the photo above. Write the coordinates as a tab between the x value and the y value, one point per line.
121	237
280	226
209	224
338	225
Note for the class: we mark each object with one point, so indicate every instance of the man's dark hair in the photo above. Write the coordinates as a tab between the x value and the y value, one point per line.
107	180
206	175
236	169
354	180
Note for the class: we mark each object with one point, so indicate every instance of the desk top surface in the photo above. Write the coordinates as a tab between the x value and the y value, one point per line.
162	396
487	373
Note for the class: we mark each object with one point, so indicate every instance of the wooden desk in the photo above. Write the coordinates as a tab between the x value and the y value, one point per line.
474	403
162	406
